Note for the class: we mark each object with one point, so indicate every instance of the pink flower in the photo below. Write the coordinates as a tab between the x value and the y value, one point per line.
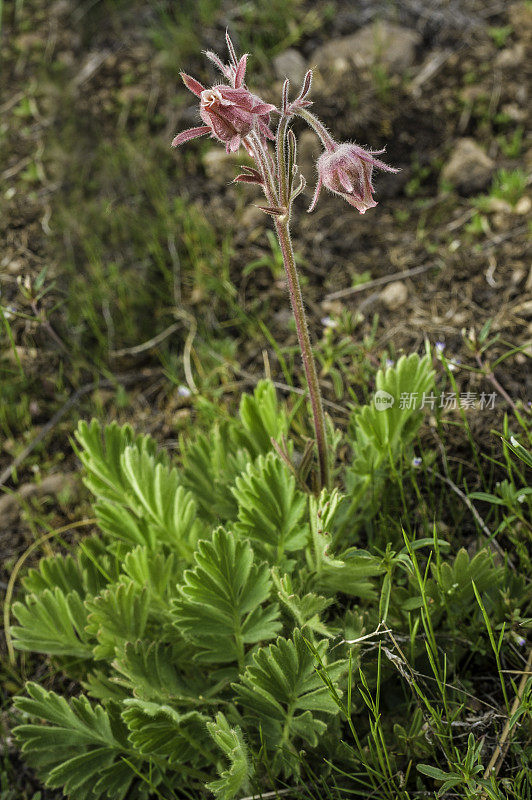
346	170
229	112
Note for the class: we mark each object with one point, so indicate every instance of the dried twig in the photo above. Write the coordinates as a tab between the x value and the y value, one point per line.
141	348
12	578
499	754
407	273
456	489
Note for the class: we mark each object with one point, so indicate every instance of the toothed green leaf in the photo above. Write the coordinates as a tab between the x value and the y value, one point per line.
223	605
235	779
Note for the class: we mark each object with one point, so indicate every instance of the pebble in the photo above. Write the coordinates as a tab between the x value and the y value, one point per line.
511	56
523	205
290	64
379	42
394	295
469	168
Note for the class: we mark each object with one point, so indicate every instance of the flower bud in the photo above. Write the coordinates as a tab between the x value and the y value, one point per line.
346	170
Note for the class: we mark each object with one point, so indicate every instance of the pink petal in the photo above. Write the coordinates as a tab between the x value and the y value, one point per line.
234	144
343	177
306	85
360	205
190	133
241	71
246	179
262	109
368	157
192	84
265	131
238	97
231	49
226	71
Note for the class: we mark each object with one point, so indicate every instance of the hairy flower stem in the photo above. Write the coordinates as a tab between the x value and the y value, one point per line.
282	222
309	365
319	128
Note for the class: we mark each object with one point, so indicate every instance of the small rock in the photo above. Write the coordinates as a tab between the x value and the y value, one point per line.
523	205
394	295
53	485
379	42
496	205
334	307
514	112
511	56
221	166
469	169
499	221
290	64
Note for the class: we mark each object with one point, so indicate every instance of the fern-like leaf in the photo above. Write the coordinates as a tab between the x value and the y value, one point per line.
262	419
52	622
378	434
159	731
209	470
55	572
271	509
230	740
222	604
118	615
150	670
168	507
158	572
80	748
101	455
283	692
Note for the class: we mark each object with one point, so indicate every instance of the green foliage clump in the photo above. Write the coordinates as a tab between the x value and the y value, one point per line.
214	622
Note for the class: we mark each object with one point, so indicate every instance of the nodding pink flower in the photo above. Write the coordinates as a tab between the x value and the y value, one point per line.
346	170
229	112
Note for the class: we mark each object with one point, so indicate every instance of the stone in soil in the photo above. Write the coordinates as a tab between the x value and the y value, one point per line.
378	43
394	295
469	168
290	64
